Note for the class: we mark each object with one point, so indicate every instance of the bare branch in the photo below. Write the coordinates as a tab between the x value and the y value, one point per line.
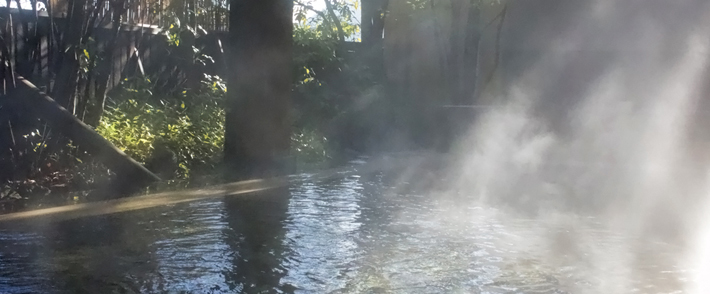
331	21
309	7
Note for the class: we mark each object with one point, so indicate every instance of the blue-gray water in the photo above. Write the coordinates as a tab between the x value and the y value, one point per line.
372	233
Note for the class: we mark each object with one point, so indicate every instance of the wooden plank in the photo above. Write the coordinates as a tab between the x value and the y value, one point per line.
82	135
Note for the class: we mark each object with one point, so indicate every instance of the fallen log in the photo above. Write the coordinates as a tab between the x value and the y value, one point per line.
133	175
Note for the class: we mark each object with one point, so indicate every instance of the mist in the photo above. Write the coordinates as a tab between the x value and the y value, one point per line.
602	111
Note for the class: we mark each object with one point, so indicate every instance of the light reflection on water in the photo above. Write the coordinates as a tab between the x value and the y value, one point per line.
360	234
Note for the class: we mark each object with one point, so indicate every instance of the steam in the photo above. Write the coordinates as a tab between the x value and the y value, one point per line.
698	256
605	122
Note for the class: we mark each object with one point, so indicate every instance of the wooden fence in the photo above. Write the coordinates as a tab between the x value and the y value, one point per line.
34	52
211	15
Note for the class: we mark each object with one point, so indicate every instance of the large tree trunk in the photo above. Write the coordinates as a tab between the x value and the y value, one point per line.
257	130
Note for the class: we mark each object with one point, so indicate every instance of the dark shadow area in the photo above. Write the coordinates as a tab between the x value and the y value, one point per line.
103	254
107	254
255	236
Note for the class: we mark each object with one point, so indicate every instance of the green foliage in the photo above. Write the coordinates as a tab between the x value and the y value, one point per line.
40	164
131	127
314	56
195	12
88	56
311	146
325	81
184	60
190	125
332	88
324	22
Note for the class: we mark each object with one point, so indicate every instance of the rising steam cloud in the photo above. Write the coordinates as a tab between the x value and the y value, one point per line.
603	112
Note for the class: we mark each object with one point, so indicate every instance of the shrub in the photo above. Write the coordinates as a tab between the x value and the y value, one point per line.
189	126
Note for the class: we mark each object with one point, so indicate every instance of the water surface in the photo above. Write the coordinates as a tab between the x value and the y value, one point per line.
368	233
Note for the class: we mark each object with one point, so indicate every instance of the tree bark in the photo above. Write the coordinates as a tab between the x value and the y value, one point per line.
257	129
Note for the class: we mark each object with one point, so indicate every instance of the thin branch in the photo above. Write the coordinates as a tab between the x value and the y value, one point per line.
496	59
331	23
309	7
338	25
7	50
499	15
12	133
91	22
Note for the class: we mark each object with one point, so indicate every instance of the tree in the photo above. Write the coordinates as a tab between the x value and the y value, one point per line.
257	128
335	20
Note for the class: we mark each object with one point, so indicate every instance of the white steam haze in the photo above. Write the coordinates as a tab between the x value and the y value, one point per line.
604	111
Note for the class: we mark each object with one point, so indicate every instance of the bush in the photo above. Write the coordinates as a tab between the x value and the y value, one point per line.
189	126
311	147
336	93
